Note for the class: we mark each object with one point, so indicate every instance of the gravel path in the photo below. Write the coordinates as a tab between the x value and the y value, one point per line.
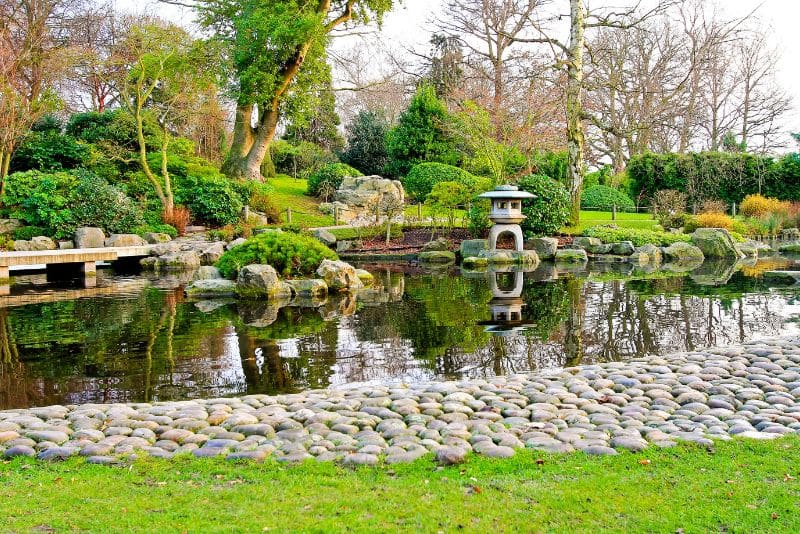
752	390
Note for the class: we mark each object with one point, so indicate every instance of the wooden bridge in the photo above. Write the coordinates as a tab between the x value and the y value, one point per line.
84	259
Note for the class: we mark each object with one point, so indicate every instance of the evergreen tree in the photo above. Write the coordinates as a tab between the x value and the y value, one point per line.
421	134
366	143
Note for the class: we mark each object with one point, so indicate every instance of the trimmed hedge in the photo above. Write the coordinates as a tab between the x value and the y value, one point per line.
422	177
288	253
715	175
549	211
604	197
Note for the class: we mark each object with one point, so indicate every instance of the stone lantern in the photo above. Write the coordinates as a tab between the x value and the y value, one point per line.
506	213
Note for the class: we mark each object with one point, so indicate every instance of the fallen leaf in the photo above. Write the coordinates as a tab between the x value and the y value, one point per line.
644	461
787	477
730	481
539	461
774	515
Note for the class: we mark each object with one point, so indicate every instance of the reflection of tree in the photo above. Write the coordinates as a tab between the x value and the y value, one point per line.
8	347
573	338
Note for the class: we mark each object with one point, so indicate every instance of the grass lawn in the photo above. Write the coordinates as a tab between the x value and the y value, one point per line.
742	486
624	220
291	193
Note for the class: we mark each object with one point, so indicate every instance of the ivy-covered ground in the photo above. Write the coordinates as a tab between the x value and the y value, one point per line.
739	486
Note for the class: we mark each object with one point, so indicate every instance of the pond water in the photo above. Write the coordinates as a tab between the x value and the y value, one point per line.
134	339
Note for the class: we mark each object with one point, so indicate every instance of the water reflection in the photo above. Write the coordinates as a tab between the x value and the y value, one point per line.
139	339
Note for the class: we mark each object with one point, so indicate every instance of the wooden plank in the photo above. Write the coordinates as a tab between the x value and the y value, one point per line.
45	257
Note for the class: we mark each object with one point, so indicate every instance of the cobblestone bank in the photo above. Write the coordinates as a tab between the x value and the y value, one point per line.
752	390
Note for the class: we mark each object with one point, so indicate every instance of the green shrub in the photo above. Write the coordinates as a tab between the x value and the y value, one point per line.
62	201
551	164
155	228
42	199
25	233
213	200
421	134
329	178
289	253
6	242
478	222
604	198
637	236
669	208
421	178
549	211
49	151
115	128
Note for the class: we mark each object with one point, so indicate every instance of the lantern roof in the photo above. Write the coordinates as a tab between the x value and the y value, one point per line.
507	192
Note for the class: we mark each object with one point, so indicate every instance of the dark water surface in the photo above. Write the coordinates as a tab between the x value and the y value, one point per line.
137	339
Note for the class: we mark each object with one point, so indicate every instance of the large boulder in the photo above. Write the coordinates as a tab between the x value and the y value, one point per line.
681	252
212	253
339	275
309	287
527	258
623	248
212	288
155	238
325	237
7	226
653	253
571	255
261	281
545	247
184	260
592	245
716	243
36	244
125	240
438	244
473	247
89	237
357	196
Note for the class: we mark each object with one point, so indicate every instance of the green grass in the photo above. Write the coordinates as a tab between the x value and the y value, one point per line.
291	193
742	486
643	221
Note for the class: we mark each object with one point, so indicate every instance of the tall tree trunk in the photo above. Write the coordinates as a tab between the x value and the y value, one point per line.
235	165
574	108
258	156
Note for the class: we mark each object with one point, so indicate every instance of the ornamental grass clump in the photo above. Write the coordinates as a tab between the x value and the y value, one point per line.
290	254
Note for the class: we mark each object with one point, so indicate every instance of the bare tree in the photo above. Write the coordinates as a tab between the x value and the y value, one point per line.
31	62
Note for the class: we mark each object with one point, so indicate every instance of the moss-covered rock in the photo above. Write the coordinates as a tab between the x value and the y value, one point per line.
571	255
623	248
309	287
716	243
683	252
261	281
339	275
545	247
473	247
365	276
212	288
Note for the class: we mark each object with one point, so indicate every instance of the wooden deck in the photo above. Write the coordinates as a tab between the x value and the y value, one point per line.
86	257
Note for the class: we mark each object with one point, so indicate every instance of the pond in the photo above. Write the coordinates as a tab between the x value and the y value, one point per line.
134	338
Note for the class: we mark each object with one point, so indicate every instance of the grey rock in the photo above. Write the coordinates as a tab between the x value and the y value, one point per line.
545	247
89	237
124	240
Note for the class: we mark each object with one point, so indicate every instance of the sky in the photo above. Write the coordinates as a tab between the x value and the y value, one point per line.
409	25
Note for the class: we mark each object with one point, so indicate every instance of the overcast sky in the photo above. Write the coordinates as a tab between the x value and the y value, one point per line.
408	25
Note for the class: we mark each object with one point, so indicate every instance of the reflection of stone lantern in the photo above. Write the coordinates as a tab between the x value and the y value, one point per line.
506	213
506	304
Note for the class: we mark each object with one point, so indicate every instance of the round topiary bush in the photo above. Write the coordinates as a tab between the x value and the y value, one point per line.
604	197
422	177
328	179
549	211
288	253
